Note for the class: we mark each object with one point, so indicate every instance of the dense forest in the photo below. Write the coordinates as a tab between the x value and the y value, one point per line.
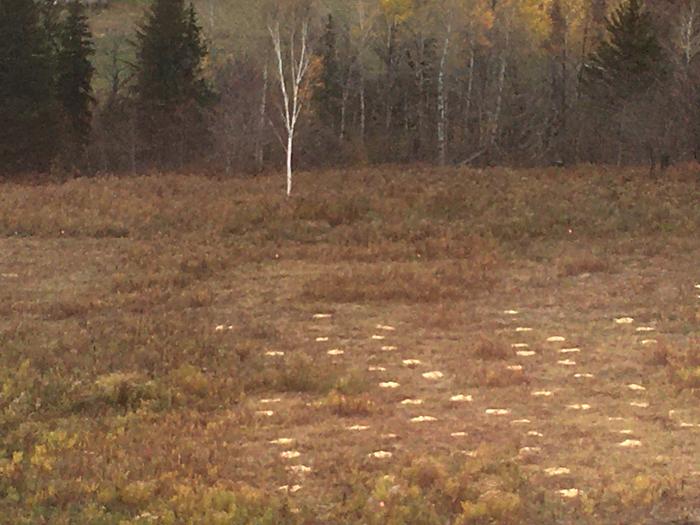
231	86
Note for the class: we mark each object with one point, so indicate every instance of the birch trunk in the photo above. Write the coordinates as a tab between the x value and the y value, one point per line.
390	76
421	97
290	145
689	39
499	102
495	123
470	90
582	60
442	110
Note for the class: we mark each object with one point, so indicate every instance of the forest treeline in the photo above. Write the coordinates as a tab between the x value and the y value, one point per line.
518	82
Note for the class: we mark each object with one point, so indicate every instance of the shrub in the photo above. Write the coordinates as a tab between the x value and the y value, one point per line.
489	349
349	406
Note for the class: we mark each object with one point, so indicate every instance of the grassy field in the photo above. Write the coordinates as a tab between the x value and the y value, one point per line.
385	347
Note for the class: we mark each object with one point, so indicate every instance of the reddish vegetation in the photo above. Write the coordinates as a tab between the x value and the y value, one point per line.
121	398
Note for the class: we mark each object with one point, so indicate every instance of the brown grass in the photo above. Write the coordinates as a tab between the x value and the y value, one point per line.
119	397
489	349
411	282
492	375
684	366
582	262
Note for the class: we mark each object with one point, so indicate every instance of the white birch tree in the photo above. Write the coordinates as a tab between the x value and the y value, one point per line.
292	78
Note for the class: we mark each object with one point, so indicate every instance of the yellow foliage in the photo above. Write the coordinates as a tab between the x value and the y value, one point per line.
138	493
494	505
472	512
642	491
191	380
689	376
42	459
107	495
384	488
60	440
343	405
397	10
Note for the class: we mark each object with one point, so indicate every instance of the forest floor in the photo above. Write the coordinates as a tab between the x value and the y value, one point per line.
399	345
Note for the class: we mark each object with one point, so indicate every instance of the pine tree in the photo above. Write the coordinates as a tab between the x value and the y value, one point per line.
328	93
27	103
631	60
74	78
170	87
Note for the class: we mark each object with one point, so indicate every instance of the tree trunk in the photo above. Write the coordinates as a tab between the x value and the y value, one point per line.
389	76
499	102
584	52
421	98
259	154
343	109
290	144
442	110
470	90
496	117
363	110
212	16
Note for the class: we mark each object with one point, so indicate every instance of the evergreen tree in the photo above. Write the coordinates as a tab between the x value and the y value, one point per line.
631	60
557	47
170	87
599	11
27	103
74	78
200	91
50	15
328	93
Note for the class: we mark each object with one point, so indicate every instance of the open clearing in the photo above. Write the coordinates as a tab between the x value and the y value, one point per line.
438	346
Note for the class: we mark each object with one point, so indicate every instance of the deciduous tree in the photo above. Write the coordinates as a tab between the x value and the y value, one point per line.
293	58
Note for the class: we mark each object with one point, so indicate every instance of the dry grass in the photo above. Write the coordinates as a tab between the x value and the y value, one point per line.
582	262
489	349
422	282
495	376
138	315
437	213
683	366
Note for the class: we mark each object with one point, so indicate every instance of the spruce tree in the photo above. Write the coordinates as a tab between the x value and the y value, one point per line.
170	87
199	89
27	104
328	93
74	79
631	60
